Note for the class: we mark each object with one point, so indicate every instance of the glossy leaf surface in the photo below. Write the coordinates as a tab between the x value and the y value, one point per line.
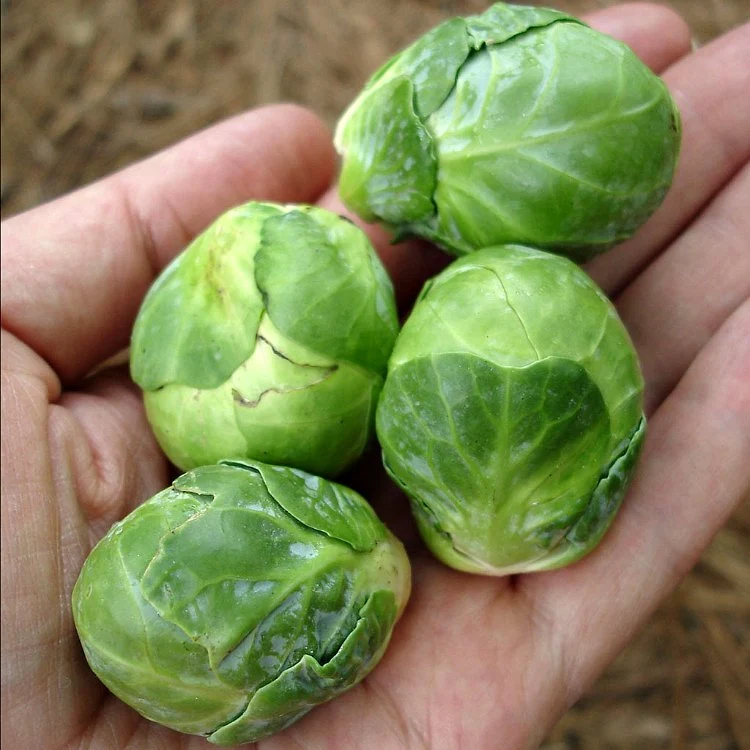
214	610
267	338
512	412
532	128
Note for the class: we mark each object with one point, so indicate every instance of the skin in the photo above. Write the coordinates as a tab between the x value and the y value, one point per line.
475	662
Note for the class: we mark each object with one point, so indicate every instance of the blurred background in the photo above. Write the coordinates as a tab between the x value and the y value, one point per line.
89	86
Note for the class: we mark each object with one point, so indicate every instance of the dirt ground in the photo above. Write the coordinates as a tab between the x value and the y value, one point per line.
88	87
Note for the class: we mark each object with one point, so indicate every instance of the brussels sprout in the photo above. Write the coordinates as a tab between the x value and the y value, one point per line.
518	125
267	338
512	412
233	602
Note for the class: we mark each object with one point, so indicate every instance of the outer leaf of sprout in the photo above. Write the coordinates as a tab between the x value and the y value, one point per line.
512	412
518	125
268	338
235	601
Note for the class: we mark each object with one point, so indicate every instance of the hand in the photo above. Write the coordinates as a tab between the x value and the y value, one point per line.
475	662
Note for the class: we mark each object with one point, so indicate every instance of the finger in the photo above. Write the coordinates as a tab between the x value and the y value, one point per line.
46	537
674	307
693	475
41	547
74	271
115	457
710	88
657	35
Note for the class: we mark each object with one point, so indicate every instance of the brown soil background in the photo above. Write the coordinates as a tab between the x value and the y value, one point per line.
88	87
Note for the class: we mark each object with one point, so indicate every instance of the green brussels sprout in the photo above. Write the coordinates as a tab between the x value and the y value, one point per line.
233	602
520	125
267	338
512	412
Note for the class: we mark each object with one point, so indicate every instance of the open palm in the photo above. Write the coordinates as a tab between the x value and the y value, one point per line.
475	662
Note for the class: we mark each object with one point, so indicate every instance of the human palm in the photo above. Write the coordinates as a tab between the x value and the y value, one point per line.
475	662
